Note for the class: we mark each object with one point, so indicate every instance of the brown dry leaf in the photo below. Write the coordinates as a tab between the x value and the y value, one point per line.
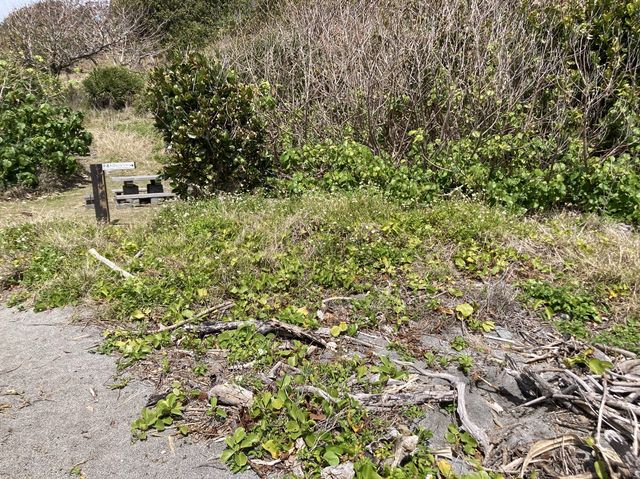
317	416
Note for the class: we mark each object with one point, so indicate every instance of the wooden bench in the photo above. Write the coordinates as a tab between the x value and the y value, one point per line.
132	195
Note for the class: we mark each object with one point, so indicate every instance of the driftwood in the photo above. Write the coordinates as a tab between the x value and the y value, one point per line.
110	264
461	409
608	399
391	400
231	394
386	399
220	308
263	327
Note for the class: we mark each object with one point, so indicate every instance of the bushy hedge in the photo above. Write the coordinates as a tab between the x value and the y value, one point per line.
38	136
350	165
504	170
212	124
113	87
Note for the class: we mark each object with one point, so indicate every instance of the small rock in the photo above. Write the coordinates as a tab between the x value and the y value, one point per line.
503	333
341	471
231	394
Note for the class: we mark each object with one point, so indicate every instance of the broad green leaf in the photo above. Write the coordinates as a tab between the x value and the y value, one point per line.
241	459
226	455
445	469
598	366
331	458
272	447
239	435
601	469
465	310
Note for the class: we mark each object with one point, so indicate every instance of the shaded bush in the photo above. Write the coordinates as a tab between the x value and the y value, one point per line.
38	136
191	24
212	124
113	87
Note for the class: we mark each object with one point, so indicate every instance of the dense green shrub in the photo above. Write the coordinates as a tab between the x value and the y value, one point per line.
212	124
113	87
38	136
350	165
510	170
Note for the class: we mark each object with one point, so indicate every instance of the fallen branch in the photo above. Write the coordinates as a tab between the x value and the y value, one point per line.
205	312
263	327
345	298
466	421
110	264
390	400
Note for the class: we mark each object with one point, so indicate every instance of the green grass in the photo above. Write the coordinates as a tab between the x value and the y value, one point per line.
280	257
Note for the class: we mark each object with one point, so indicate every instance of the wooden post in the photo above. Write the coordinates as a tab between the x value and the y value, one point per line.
100	198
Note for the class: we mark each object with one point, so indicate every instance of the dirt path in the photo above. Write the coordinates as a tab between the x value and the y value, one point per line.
57	411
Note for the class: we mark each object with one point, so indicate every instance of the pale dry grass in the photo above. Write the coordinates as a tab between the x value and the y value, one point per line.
594	252
118	136
123	137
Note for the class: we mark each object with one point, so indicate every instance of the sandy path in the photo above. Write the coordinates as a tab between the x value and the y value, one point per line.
51	421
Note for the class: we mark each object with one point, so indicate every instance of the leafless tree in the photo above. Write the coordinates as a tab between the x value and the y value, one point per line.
386	67
61	33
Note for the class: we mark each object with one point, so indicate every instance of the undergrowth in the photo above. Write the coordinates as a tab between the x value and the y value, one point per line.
278	258
282	259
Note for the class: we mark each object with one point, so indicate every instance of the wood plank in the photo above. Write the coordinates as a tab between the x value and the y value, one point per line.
135	178
144	196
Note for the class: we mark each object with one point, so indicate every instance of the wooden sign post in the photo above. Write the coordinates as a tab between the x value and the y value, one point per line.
100	198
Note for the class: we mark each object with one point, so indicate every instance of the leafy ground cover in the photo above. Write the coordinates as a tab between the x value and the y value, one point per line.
339	266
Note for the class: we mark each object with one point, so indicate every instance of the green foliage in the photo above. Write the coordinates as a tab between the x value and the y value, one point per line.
461	440
39	136
465	363
191	24
565	300
624	335
212	124
350	165
458	343
585	358
161	416
112	86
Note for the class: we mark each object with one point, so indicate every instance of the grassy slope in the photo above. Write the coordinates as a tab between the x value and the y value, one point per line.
275	256
410	270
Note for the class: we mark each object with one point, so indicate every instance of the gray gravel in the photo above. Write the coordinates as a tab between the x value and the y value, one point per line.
51	421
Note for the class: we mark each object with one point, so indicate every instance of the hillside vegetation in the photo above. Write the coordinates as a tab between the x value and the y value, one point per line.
381	203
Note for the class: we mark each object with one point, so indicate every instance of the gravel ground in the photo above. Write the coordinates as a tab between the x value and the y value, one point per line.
57	411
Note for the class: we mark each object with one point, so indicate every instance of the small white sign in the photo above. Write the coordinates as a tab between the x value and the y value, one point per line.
118	166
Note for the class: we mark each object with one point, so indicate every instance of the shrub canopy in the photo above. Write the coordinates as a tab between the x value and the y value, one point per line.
38	136
112	87
212	124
